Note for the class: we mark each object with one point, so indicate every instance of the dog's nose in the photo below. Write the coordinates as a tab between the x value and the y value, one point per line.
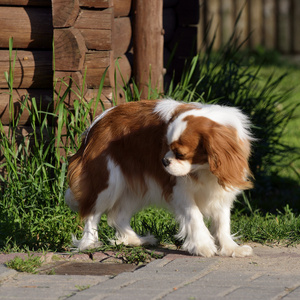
165	162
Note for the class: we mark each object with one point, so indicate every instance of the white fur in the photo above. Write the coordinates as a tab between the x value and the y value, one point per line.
166	108
191	201
224	115
177	167
70	200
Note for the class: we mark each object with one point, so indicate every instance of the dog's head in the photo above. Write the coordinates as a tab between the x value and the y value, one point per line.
197	142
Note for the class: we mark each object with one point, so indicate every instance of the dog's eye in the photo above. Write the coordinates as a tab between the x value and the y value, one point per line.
179	155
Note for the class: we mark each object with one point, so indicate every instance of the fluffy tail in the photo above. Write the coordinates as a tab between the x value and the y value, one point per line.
77	183
71	201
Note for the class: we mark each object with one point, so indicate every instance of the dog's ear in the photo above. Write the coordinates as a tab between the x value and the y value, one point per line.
228	157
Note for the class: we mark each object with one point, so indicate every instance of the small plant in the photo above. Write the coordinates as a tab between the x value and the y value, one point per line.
134	255
28	265
81	288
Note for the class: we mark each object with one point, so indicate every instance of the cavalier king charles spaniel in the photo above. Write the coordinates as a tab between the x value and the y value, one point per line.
189	157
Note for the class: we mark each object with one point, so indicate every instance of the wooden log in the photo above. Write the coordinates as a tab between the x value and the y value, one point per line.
72	80
21	97
26	2
96	62
96	28
95	70
148	45
96	3
284	28
108	96
256	23
269	24
122	34
33	69
95	19
64	13
69	49
24	133
296	26
122	8
96	39
30	27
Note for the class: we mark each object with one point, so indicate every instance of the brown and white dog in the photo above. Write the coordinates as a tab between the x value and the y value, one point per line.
192	158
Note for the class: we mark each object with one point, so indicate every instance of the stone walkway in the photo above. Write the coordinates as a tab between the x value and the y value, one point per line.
272	273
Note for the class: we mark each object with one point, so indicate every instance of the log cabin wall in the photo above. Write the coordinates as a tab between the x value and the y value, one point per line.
89	36
29	22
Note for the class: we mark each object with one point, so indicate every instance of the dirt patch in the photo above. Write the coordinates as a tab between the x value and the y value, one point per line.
87	268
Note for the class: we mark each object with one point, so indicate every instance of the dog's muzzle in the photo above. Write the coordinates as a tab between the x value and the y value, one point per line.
166	162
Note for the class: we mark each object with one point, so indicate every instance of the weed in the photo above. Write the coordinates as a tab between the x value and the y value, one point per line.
81	288
28	265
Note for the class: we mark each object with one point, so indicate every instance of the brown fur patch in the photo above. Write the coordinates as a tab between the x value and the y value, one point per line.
220	146
133	136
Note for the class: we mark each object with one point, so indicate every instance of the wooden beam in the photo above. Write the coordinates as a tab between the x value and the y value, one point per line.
30	27
33	69
122	7
96	3
43	99
122	34
26	2
69	49
64	12
148	45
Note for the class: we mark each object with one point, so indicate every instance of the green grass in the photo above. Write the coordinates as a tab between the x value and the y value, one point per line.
28	265
33	215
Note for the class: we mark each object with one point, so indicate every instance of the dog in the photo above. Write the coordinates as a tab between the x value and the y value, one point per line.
189	157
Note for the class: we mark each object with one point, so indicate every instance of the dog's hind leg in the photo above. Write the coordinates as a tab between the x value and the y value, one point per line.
105	201
119	218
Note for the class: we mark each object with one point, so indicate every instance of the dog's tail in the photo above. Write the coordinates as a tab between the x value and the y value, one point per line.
77	181
71	201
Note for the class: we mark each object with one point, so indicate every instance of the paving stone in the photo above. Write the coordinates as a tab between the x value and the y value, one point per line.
273	273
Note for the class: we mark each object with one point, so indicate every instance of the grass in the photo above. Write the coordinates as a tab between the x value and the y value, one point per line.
34	217
28	265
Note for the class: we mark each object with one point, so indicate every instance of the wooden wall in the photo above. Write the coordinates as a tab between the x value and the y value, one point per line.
88	37
29	22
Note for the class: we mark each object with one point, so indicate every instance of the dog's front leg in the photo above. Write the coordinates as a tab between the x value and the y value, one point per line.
220	228
89	239
196	236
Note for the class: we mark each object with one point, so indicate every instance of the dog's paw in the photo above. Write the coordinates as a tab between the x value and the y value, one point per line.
205	250
237	251
85	244
134	240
